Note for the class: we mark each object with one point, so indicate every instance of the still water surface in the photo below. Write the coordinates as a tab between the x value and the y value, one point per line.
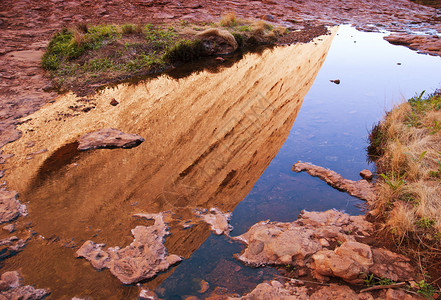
223	139
331	130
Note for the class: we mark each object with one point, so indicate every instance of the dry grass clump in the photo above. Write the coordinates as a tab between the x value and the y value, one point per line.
406	146
228	20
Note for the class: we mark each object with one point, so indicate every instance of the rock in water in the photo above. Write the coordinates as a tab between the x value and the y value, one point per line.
108	138
361	189
11	288
275	290
143	258
10	207
366	174
313	240
218	220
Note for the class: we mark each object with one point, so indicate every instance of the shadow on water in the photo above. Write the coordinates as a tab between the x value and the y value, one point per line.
62	157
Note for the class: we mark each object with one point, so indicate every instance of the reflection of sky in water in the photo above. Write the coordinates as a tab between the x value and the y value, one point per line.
331	130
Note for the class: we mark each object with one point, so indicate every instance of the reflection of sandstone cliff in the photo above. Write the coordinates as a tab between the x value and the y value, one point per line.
208	138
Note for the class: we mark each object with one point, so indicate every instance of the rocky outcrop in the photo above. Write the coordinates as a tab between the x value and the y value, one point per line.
286	243
10	207
327	244
108	138
217	219
361	189
289	291
388	264
11	288
142	259
427	44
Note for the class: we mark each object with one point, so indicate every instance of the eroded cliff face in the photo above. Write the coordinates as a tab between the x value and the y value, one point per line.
208	138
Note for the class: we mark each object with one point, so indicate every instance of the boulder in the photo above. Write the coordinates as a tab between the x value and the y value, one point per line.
350	262
108	138
327	263
142	259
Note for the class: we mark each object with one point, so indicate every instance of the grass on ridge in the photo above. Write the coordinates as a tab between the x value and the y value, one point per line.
88	54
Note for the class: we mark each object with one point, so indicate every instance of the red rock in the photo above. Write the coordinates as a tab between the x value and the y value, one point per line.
204	286
366	174
276	290
108	138
12	278
10	207
361	189
218	220
11	288
392	265
142	259
393	294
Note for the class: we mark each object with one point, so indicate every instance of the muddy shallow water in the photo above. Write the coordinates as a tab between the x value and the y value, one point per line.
223	139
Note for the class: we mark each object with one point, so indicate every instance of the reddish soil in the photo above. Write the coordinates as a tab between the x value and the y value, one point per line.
27	26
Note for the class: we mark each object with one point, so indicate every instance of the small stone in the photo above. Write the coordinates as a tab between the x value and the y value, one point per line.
366	174
324	242
268	17
114	102
9	228
147	294
336	81
204	287
30	144
219	58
